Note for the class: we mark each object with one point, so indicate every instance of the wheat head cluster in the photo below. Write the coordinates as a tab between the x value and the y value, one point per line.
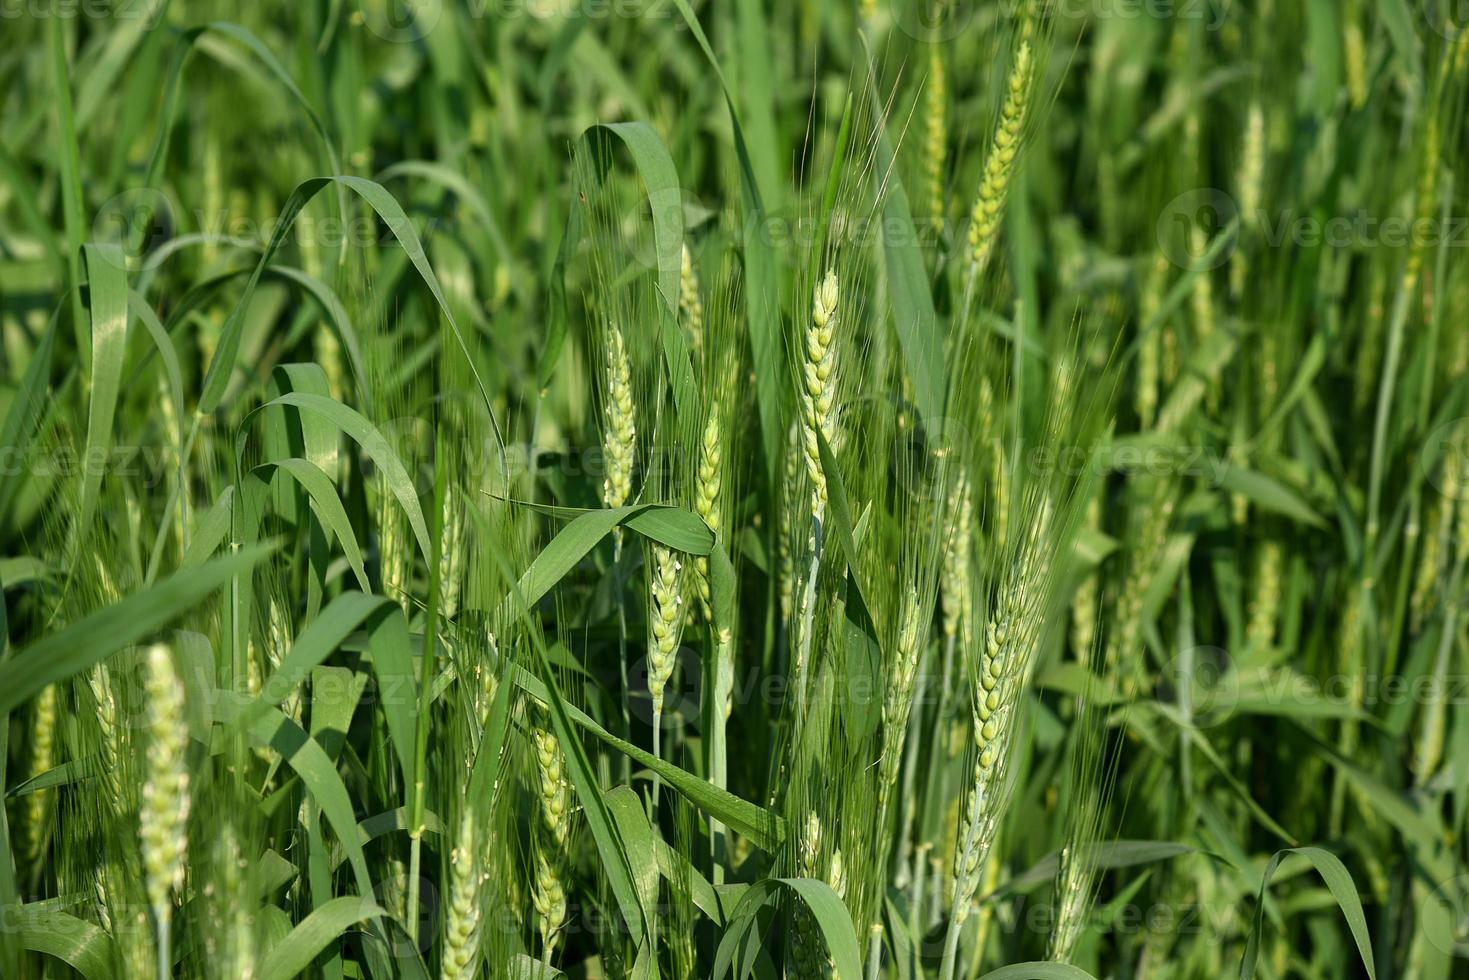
874	490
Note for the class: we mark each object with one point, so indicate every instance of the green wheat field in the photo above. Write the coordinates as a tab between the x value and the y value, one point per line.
734	488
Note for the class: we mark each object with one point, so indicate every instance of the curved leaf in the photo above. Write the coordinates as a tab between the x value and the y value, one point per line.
293	955
366	435
1339	881
80	945
826	908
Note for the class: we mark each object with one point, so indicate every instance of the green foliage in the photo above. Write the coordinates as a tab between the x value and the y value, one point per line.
1068	583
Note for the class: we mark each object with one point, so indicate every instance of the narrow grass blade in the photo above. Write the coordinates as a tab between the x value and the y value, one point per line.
99	635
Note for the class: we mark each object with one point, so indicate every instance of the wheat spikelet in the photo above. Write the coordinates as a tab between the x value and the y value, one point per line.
164	814
554	789
233	946
1430	746
806	943
277	645
1430	560
706	497
1074	889
935	131
393	553
690	304
1427	202
328	350
1354	63
99	680
1250	181
819	385
1000	487
955	597
1260	631
462	925
785	554
898	695
1004	657
665	619
1084	602
619	430
549	895
999	165
43	759
549	898
1154	515
451	552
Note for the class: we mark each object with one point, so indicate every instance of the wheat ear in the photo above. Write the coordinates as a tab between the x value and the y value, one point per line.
690	303
1003	665
898	698
706	497
462	926
999	165
818	421
619	431
43	758
935	131
819	385
555	793
164	815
